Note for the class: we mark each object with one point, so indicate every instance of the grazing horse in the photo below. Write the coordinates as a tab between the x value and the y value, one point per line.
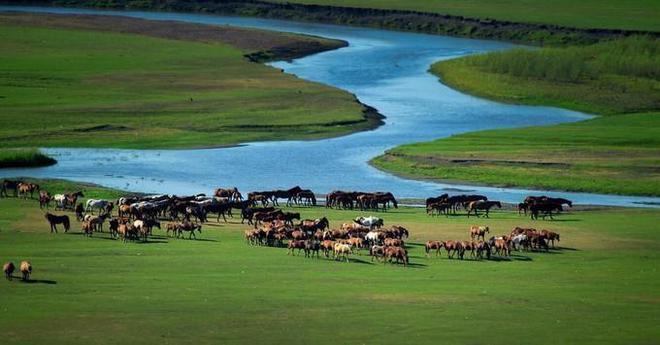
482	205
550	236
478	231
295	244
398	253
377	252
483	247
54	220
24	188
306	197
44	199
433	245
522	207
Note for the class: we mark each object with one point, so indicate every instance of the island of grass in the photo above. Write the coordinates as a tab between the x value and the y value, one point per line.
104	81
618	153
601	286
24	157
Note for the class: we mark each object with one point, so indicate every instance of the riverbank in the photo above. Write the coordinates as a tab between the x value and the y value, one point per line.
615	154
591	264
142	84
473	22
24	157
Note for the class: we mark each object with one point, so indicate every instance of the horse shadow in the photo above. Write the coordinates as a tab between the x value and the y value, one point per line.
360	261
35	281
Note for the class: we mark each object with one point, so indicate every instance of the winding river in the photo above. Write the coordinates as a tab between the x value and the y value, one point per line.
385	69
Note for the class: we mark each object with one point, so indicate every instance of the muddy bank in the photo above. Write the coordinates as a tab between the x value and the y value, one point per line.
388	19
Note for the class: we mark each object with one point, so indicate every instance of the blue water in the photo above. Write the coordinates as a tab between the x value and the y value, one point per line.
384	69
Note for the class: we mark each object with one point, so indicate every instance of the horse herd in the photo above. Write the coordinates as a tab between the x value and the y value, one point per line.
536	205
137	215
527	239
313	236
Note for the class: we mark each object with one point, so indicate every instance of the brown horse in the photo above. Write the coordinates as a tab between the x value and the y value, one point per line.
433	245
44	199
230	193
478	231
24	188
54	220
482	205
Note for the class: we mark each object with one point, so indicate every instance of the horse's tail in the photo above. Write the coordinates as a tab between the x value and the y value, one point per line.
313	200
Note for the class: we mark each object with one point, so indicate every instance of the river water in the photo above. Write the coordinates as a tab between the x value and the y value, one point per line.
384	69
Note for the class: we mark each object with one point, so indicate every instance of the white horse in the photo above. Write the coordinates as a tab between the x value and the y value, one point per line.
519	241
99	204
60	201
371	222
372	237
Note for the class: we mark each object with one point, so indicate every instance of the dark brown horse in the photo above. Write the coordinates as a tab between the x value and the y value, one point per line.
482	205
54	220
9	184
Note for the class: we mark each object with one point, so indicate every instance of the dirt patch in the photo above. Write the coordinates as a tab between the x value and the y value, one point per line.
471	161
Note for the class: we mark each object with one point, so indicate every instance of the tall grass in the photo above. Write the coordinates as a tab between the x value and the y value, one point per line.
24	157
636	56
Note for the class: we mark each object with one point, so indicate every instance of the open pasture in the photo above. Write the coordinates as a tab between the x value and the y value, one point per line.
600	286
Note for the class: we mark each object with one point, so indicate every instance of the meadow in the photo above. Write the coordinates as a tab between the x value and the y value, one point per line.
616	153
600	287
608	14
70	81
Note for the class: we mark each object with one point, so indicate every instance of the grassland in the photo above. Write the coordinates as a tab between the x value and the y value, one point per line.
616	154
68	81
24	157
609	14
600	288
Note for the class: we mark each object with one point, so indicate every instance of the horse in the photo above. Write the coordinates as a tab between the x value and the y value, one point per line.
522	207
188	226
9	184
341	250
550	236
230	193
370	222
482	205
434	200
481	248
377	252
545	208
433	245
312	226
312	247
306	197
438	208
44	199
398	253
53	220
295	244
478	231
24	188
101	205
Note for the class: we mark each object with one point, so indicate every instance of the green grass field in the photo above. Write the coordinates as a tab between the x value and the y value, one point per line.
86	88
602	287
612	155
24	157
617	154
610	14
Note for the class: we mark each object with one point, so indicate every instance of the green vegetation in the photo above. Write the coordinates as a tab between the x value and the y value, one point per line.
24	157
607	14
601	288
621	76
86	88
615	154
